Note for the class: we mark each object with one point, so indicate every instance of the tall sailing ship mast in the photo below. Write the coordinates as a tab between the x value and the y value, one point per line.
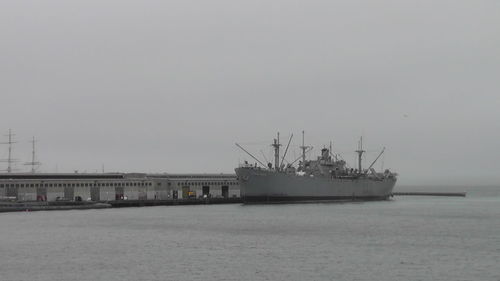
9	159
34	164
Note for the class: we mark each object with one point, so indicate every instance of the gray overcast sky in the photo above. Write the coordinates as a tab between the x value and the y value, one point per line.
169	86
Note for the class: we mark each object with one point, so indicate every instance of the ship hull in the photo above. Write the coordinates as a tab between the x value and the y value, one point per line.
259	185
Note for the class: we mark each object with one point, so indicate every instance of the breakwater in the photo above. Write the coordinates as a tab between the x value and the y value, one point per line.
452	194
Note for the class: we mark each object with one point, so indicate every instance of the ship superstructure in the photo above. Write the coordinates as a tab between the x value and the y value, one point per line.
326	178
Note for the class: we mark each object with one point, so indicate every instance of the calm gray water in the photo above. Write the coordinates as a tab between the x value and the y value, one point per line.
409	238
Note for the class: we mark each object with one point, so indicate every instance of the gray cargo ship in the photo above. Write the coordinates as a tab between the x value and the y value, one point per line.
328	178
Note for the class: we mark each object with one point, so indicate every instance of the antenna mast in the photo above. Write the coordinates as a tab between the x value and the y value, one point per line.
33	163
360	152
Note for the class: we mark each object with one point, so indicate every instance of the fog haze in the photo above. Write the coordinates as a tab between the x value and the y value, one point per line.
170	86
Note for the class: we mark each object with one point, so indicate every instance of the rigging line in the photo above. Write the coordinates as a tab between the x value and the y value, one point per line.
251	155
307	151
254	143
263	155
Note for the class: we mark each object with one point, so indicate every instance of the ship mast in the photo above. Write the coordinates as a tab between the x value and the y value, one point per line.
304	148
330	150
276	146
9	160
360	152
33	163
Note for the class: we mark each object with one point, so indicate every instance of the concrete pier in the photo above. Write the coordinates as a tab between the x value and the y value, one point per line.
173	202
72	205
49	206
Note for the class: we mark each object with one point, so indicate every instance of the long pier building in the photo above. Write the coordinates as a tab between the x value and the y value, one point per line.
116	186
